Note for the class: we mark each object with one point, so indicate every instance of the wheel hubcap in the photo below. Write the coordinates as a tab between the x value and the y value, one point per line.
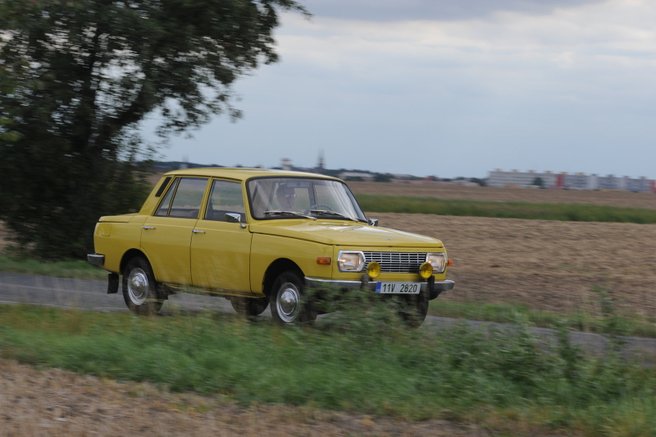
288	303
138	286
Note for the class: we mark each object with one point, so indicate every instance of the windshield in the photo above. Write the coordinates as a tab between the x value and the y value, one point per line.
288	197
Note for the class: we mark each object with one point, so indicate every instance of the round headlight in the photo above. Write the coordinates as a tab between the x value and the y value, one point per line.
373	270
426	270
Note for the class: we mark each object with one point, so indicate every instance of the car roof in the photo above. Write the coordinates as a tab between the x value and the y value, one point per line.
242	173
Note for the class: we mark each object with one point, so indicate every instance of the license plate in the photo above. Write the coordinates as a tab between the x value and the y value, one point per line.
398	287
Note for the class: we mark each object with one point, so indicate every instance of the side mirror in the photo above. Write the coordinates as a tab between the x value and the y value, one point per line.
373	222
233	217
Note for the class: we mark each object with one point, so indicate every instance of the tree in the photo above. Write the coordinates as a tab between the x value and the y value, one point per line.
79	76
538	182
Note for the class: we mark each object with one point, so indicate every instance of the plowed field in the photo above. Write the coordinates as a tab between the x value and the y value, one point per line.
543	264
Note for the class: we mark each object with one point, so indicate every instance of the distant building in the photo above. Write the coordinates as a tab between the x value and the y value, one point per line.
577	181
609	182
514	178
321	165
638	185
356	176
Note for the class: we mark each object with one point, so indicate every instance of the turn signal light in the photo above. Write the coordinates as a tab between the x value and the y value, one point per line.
323	260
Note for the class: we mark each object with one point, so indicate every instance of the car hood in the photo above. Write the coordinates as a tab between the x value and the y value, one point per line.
343	233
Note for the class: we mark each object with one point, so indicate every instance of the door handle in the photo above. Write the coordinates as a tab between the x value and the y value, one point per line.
198	231
148	228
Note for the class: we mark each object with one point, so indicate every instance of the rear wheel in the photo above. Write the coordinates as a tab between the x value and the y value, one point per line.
140	288
249	307
288	306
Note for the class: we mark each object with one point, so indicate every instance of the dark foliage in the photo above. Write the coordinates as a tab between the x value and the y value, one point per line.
76	77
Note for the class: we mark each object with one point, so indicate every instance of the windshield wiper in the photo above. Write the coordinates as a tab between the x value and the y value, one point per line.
333	213
277	212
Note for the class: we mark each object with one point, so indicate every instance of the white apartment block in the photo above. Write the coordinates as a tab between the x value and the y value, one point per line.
577	181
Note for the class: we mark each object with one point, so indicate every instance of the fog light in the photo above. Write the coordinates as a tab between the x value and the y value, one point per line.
426	270
373	270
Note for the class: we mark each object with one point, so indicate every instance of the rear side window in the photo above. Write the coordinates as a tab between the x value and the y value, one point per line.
162	187
183	199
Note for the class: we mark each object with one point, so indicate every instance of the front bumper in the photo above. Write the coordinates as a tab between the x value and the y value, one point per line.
434	288
96	259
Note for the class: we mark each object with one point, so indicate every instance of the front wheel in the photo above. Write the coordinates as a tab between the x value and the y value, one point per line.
413	309
139	287
288	306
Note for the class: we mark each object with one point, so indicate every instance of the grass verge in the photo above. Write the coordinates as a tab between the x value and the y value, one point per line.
502	380
509	313
520	210
63	269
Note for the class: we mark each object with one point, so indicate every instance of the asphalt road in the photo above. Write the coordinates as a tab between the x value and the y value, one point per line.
91	295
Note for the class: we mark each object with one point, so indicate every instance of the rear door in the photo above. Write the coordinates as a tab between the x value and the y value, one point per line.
166	235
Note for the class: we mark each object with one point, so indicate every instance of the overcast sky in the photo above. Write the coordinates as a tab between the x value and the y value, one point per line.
449	88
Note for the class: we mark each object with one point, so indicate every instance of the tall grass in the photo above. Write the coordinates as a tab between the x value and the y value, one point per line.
65	268
520	210
370	364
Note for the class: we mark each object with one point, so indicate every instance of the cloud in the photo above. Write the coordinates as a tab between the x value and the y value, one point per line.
509	52
442	10
548	85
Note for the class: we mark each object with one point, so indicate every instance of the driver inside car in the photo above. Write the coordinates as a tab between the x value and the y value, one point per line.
285	196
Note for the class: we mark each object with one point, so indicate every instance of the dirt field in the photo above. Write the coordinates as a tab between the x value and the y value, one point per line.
57	403
544	264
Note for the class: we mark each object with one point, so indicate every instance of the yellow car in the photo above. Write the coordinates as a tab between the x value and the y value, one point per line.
260	237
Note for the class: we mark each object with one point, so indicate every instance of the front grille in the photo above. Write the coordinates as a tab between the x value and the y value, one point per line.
397	262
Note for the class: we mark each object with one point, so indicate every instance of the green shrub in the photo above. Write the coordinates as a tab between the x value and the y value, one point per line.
372	364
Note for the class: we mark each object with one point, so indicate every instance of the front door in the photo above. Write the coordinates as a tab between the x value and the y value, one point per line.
221	243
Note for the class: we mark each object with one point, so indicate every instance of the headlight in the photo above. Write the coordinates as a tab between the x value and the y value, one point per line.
350	261
438	261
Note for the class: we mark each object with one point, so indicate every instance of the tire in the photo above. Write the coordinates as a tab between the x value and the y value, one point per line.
288	305
249	307
413	309
140	288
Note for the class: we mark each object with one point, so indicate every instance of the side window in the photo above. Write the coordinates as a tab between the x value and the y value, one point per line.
183	198
225	198
165	206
